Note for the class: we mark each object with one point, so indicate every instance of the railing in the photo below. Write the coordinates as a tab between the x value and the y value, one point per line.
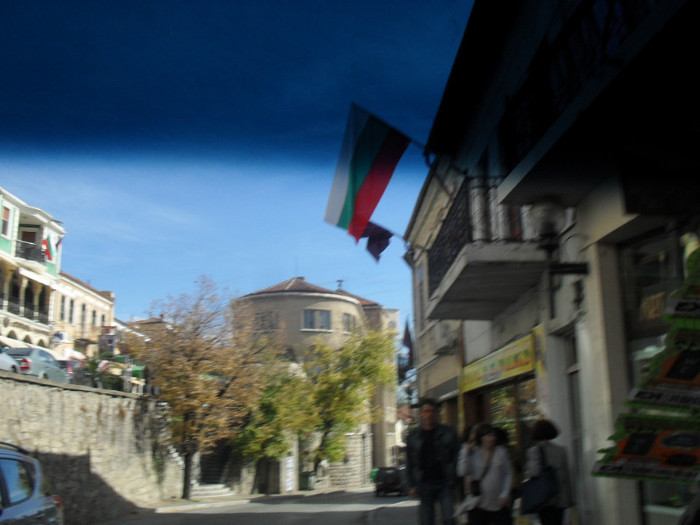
30	251
29	311
13	305
475	216
454	233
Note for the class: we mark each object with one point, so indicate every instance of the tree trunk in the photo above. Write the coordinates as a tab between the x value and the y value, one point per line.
188	456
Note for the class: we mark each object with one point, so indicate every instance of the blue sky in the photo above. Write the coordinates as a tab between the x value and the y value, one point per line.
178	139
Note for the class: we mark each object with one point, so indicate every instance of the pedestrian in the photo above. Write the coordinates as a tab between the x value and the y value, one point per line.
431	453
488	472
543	432
503	439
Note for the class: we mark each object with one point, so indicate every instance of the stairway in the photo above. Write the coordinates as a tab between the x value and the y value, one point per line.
210	491
213	463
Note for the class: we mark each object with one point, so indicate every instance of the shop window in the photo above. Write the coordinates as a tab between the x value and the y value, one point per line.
651	270
515	408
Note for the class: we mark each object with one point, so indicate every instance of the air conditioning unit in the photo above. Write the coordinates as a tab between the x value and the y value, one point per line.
446	341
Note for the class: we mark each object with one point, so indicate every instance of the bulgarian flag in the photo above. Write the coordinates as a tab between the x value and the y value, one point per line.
370	152
48	248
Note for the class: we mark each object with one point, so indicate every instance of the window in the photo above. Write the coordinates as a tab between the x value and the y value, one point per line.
18	478
102	320
83	315
348	323
265	321
70	311
62	314
5	220
94	318
317	320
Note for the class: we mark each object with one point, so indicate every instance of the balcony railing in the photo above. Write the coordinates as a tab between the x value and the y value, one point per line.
475	216
30	251
13	305
455	232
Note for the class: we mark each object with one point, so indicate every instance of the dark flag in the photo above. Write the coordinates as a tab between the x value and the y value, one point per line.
377	239
408	343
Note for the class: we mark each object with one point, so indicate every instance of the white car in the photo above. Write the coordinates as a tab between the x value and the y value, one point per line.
7	363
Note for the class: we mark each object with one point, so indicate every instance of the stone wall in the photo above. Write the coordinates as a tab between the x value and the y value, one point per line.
103	452
354	471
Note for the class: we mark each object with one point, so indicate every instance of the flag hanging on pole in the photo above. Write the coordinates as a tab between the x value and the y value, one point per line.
377	239
370	152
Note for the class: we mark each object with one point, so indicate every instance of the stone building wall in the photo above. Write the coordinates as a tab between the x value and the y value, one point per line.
354	471
103	452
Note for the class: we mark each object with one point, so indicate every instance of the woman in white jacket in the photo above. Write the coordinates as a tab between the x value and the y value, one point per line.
489	464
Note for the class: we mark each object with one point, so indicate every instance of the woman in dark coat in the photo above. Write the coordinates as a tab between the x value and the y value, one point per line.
555	455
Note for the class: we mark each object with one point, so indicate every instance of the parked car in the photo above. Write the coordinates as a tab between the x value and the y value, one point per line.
76	372
25	496
7	363
39	363
390	479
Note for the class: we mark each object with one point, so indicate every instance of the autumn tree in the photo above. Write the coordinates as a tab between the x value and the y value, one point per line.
342	382
209	374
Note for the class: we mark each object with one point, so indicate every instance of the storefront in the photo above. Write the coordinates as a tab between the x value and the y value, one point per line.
502	388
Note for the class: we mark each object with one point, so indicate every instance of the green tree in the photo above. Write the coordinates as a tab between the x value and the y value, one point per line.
342	382
208	374
284	408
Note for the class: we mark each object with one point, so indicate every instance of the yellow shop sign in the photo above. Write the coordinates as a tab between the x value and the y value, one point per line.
511	360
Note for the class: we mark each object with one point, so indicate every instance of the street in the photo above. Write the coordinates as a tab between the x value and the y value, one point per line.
337	508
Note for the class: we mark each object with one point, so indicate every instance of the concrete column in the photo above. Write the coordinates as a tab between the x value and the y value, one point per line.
604	388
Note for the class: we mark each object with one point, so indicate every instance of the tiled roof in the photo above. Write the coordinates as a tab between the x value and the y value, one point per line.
300	284
363	301
295	284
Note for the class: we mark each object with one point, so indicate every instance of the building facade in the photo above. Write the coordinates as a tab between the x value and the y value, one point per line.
83	319
300	313
555	221
40	305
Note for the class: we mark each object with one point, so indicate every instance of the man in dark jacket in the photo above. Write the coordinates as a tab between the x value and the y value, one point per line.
431	454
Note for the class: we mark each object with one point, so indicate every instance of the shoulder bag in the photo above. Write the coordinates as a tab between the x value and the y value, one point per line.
536	492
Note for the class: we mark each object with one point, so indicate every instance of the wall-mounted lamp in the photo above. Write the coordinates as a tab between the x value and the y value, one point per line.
549	219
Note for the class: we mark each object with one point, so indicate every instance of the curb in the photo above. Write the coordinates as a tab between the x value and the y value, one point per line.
178	507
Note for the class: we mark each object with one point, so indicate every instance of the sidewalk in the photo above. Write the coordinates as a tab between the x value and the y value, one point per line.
177	505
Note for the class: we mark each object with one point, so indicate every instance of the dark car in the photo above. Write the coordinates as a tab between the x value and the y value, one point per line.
25	497
39	363
76	372
390	480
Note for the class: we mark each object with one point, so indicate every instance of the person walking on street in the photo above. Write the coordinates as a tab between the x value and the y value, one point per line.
487	470
431	454
543	432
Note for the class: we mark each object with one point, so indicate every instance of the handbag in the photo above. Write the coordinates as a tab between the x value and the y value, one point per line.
537	491
470	503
